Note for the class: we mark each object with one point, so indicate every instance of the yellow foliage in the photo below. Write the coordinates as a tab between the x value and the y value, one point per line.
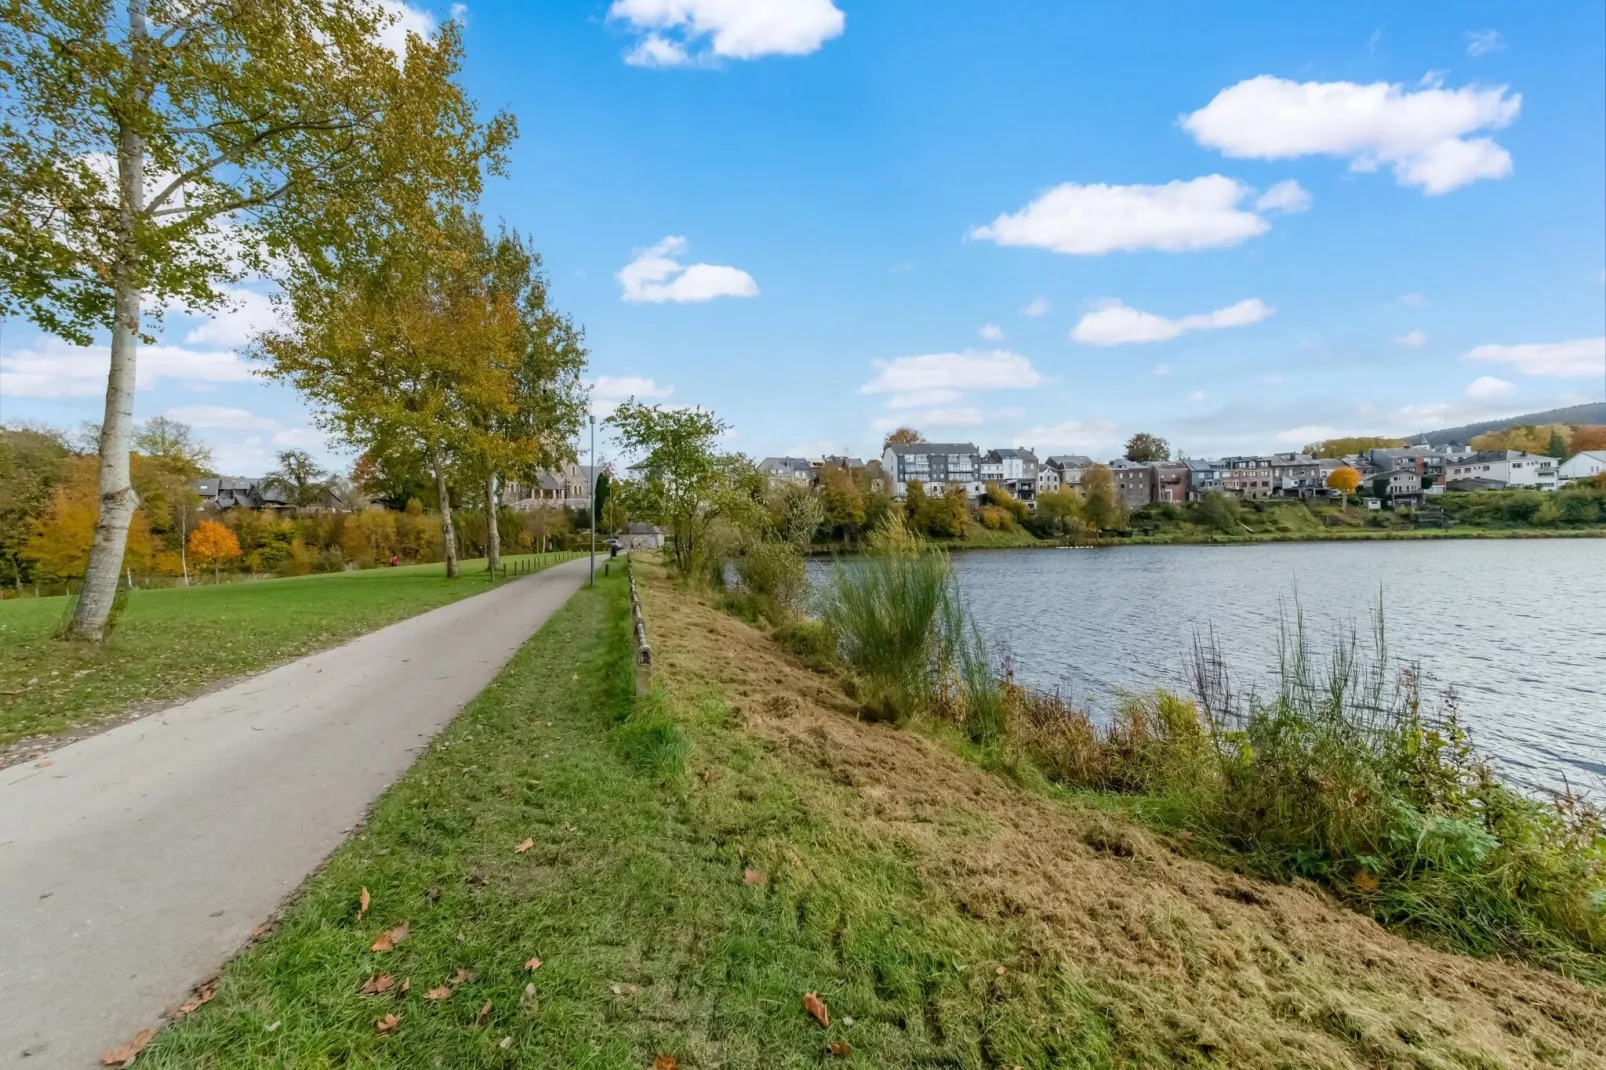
60	536
1344	479
212	544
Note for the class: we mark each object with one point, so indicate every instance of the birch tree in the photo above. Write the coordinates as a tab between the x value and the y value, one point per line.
153	151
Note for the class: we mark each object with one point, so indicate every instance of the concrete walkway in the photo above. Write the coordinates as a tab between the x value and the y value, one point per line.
136	862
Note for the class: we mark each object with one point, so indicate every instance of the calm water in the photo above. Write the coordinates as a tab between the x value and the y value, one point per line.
1517	627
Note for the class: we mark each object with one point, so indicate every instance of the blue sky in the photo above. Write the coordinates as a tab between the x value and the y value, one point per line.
1240	226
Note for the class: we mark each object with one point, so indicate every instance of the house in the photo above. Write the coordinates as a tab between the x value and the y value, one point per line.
798	470
1511	467
936	466
230	492
568	487
1015	470
1400	487
1062	471
643	537
1423	460
1203	477
1134	482
1586	465
1298	475
1172	480
1248	477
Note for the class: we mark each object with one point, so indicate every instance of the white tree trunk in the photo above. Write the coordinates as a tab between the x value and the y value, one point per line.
493	537
117	498
448	533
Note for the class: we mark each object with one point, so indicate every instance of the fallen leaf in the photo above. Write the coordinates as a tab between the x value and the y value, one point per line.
839	1048
376	985
388	1023
666	1062
391	937
506	1042
999	971
362	903
529	990
817	1008
407	986
1366	882
525	846
43	764
203	995
484	1015
533	965
124	1055
752	877
437	994
462	976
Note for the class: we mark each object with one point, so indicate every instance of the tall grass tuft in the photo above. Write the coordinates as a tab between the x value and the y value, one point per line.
1345	774
651	739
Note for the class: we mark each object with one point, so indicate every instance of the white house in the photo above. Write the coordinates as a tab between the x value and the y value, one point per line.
1586	465
1511	467
799	470
1063	471
935	466
1015	470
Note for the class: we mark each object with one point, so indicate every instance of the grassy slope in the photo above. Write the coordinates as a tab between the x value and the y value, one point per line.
634	897
958	920
179	642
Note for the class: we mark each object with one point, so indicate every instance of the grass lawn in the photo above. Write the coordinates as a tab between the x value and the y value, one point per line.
680	888
173	643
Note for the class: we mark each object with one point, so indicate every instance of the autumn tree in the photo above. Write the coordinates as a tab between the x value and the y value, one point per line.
303	480
843	501
902	436
1144	448
683	479
1056	511
1102	508
1591	438
1346	447
1344	480
32	460
152	151
212	544
174	444
61	536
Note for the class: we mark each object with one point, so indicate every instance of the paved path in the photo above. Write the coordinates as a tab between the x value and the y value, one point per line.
140	859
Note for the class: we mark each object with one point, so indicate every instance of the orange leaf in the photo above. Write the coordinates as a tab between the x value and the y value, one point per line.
125	1054
839	1048
44	764
462	974
533	965
666	1062
438	993
817	1008
1366	882
391	937
362	903
484	1015
376	985
752	877
388	1023
202	996
407	986
525	846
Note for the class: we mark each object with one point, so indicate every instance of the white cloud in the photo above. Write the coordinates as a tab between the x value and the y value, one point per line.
1487	388
1303	436
1422	134
1414	300
1197	395
221	417
1096	438
914	399
55	369
1038	306
459	13
996	369
955	416
735	29
249	314
404	19
654	277
1557	360
1286	196
1271	380
607	391
1413	339
1114	324
1162	369
1202	213
1483	42
991	332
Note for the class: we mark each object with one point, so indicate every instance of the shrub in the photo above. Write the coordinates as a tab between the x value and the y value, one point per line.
774	575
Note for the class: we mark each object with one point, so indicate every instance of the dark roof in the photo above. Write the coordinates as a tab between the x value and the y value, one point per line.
932	447
785	464
1070	460
999	455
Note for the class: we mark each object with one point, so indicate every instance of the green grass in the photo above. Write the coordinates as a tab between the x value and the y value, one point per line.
633	896
169	644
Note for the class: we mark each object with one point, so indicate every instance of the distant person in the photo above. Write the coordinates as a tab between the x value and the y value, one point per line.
613	547
394	560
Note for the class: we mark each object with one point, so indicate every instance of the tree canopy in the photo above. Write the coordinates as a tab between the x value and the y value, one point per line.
682	480
902	436
1345	447
1144	447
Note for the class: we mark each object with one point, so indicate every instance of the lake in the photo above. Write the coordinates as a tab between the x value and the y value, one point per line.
1516	626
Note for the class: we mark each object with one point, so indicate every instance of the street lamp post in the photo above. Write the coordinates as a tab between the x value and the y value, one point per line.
592	582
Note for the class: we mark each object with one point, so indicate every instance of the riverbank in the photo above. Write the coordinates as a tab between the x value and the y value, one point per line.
581	880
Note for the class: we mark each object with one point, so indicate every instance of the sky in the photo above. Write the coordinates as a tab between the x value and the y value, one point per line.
1243	227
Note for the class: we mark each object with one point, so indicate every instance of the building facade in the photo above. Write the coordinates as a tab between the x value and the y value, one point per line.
1134	482
1511	467
934	465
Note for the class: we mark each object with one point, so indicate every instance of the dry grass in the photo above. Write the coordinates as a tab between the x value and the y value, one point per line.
1187	963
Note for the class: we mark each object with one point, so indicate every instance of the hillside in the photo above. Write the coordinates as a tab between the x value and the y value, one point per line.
1592	413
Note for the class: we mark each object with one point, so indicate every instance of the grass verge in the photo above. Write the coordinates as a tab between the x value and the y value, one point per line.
682	888
175	643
